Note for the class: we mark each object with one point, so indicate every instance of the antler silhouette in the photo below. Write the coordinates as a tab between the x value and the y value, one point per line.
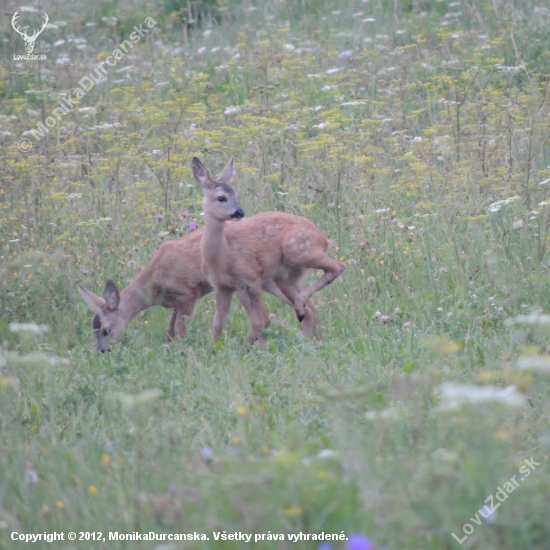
29	40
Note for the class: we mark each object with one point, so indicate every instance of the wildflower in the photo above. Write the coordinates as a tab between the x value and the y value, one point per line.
232	110
442	270
207	454
60	504
371	280
292	512
373	251
241	411
351	222
496	206
358	542
192	225
84	271
28	327
376	316
92	489
131	264
453	395
184	215
159	217
105	458
394	221
408	324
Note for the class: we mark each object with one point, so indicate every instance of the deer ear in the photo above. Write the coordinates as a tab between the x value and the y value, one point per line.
111	295
202	175
93	301
228	172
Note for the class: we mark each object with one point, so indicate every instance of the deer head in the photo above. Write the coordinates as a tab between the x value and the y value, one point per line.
29	40
107	323
220	199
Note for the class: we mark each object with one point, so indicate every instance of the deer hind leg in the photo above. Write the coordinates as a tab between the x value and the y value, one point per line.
223	303
170	335
332	268
310	320
251	299
184	314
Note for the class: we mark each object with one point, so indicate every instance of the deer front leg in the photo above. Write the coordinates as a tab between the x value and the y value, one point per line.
251	299
223	303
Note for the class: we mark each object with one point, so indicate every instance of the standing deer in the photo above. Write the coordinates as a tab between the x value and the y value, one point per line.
173	279
278	246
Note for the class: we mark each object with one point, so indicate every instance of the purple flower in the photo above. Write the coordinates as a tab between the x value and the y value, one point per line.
192	225
84	272
358	542
184	215
207	454
160	217
351	222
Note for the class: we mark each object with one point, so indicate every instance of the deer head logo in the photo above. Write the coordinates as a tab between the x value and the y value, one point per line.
29	40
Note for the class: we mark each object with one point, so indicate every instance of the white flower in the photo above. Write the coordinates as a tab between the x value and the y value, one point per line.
454	395
538	363
32	328
517	224
289	47
232	110
496	206
535	318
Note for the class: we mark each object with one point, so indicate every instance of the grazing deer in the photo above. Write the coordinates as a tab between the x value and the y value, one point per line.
278	246
173	279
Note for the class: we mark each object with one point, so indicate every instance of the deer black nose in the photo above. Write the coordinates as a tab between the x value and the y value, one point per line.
238	214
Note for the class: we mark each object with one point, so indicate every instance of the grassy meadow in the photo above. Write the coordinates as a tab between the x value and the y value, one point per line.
415	134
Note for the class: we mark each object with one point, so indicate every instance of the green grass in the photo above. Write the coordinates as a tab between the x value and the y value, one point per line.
394	136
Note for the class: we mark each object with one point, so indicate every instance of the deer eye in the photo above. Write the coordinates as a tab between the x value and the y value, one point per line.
222	199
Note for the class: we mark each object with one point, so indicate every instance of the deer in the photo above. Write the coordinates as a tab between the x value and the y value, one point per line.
173	279
277	246
29	40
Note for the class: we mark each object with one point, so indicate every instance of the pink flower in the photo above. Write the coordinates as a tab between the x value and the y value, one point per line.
192	225
84	271
184	215
160	217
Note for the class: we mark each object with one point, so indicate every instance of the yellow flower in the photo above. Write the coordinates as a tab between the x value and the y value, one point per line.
241	411
60	504
105	458
92	489
235	440
292	512
45	508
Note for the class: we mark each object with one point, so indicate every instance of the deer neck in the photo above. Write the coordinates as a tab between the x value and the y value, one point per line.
136	297
214	247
